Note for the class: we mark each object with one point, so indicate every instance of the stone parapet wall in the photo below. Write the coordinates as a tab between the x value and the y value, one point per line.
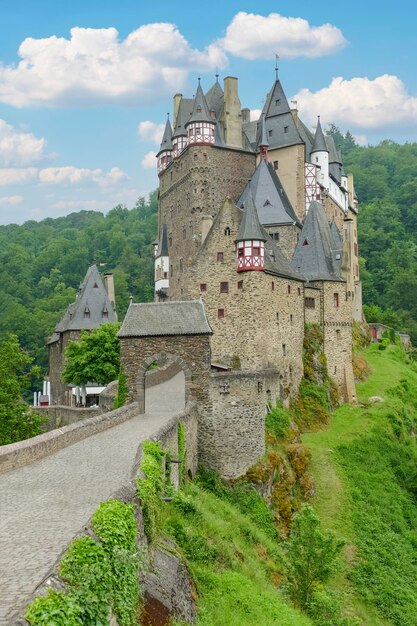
30	450
59	416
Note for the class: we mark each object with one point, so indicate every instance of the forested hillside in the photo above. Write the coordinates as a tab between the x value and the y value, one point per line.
42	263
386	184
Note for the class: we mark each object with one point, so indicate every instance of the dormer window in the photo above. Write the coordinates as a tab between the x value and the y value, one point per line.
277	102
198	109
269	133
86	313
305	242
105	313
95	286
285	129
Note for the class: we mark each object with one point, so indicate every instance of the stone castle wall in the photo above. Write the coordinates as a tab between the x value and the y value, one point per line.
60	392
194	187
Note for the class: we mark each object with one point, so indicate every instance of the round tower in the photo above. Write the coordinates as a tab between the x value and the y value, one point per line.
320	155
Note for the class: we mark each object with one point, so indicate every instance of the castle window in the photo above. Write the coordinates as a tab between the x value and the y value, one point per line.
317	159
355	248
104	313
291	319
181	266
198	109
277	317
335	369
274	236
240	252
220	257
171	176
310	303
170	241
195	157
289	289
240	284
224	287
205	156
272	286
203	286
277	102
227	231
256	251
87	313
285	129
336	300
165	274
284	349
338	334
198	130
299	291
184	232
275	165
187	200
172	270
191	231
270	133
220	314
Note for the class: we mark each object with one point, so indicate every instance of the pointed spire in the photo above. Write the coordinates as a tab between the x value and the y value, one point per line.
250	227
319	144
262	135
166	143
200	112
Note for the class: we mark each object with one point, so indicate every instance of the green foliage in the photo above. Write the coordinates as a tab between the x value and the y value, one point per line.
17	420
95	357
56	608
42	264
122	389
325	609
311	556
151	488
243	496
115	525
101	577
278	421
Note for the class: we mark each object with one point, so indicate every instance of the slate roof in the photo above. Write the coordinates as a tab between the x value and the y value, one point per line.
184	111
166	143
215	99
271	201
262	139
280	125
93	297
165	318
319	144
250	227
200	112
314	256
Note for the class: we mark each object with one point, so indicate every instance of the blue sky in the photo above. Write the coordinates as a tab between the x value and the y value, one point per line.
83	91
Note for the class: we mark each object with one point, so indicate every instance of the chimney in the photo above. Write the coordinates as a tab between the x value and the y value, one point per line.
177	100
294	113
232	116
245	116
109	286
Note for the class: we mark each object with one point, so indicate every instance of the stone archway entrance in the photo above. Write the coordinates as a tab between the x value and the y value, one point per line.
163	384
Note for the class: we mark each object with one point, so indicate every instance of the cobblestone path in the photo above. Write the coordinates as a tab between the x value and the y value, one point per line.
43	505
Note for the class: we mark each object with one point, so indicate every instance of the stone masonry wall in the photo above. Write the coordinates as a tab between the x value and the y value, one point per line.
192	352
263	315
195	186
232	434
59	390
288	238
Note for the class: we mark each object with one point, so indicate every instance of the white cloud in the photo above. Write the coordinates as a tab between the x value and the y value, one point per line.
10	200
95	66
254	36
255	114
149	161
149	131
79	175
17	175
19	148
361	103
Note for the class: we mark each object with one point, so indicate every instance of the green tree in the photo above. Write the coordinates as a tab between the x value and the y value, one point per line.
17	420
311	556
95	357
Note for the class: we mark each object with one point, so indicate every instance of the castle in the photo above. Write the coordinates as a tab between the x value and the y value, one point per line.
257	237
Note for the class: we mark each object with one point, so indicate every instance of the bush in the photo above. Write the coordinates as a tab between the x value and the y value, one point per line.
278	421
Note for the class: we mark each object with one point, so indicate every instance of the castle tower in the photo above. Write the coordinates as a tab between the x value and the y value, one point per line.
162	266
200	126
164	155
320	155
250	240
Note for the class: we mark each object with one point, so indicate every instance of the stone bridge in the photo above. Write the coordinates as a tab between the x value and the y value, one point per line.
45	502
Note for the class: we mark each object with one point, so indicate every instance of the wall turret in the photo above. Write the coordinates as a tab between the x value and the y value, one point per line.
320	155
250	240
262	143
164	155
201	124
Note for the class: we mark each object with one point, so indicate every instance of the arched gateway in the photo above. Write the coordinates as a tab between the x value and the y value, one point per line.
153	331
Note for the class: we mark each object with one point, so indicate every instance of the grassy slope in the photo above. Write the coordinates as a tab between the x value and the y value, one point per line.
236	566
352	468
